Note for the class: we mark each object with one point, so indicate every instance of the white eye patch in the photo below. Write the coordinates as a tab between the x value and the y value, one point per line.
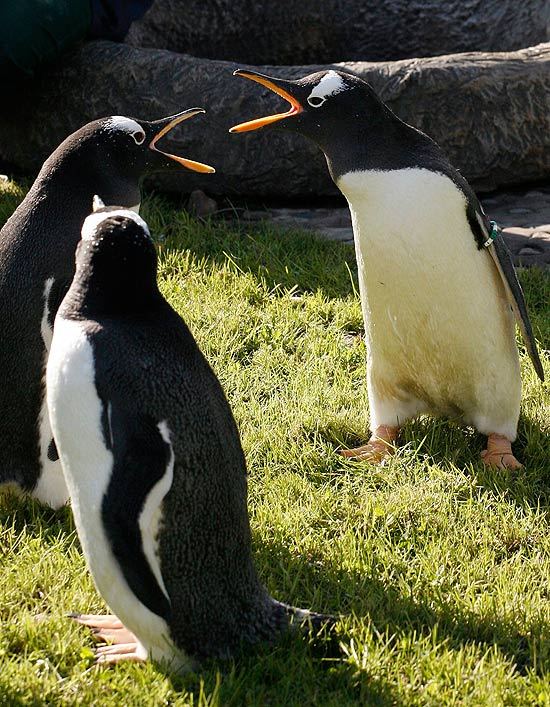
127	125
329	85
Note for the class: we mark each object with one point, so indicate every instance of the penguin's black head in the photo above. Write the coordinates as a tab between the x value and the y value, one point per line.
116	261
320	103
111	155
134	144
334	109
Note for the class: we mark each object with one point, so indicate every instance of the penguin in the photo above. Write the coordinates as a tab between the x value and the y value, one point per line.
37	247
437	284
153	462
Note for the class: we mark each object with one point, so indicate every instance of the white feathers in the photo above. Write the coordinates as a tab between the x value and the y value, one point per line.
50	487
93	221
331	84
45	328
76	414
97	203
127	125
438	328
150	517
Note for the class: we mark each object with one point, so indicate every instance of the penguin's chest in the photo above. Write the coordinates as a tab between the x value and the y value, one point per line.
430	298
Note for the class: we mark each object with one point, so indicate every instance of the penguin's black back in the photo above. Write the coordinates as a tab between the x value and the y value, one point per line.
149	370
38	243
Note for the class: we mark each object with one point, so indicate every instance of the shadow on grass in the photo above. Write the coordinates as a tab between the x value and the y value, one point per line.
392	614
35	519
444	442
280	258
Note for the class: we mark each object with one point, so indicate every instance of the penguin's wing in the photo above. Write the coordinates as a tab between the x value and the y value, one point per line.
141	477
499	252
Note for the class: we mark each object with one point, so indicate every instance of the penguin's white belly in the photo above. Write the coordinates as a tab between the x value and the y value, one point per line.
75	413
439	330
51	487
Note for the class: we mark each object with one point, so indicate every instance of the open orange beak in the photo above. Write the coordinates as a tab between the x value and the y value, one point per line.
295	106
174	120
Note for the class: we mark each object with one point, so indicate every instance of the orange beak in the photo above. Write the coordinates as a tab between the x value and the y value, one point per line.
173	121
295	106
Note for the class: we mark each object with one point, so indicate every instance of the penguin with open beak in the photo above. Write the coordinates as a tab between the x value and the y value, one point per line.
37	244
438	288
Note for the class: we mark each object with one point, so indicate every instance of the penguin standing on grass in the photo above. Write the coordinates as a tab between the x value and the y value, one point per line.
37	247
153	462
436	280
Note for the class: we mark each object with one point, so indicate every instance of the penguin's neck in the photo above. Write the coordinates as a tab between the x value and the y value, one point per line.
85	178
380	142
95	293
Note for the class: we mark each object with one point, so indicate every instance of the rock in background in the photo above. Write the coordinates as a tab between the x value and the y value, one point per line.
313	31
490	112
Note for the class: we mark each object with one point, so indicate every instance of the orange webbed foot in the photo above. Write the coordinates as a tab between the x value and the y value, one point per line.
499	453
380	446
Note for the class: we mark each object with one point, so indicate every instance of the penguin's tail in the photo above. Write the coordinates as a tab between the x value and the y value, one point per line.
309	621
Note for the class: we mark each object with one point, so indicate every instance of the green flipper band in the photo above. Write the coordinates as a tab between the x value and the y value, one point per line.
494	233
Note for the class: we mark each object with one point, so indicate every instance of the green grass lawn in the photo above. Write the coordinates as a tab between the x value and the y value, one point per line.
439	567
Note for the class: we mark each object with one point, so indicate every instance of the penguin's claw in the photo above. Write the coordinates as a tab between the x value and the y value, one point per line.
499	453
106	628
108	655
98	621
115	636
380	446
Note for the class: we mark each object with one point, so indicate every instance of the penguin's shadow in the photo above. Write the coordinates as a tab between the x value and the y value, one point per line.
344	592
289	259
443	442
356	598
36	520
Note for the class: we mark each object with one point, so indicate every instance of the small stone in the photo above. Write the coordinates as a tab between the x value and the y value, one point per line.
201	205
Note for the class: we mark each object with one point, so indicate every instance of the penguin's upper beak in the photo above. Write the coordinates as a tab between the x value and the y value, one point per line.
281	88
164	125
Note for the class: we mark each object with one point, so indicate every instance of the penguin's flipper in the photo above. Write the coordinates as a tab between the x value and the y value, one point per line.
503	261
141	477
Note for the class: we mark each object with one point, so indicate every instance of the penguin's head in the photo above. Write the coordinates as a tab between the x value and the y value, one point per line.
116	152
324	106
135	143
116	260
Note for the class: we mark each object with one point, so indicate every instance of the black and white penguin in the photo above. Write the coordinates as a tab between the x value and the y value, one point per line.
436	279
37	247
153	462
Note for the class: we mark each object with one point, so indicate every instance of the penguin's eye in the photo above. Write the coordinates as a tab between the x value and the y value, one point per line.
316	101
139	137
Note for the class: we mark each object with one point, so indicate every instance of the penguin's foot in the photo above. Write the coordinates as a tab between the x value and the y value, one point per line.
106	627
380	446
120	652
499	453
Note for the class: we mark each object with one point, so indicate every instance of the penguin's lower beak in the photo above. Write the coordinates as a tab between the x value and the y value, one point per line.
278	86
164	126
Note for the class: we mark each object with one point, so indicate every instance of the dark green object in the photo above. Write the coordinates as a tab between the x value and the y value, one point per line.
36	31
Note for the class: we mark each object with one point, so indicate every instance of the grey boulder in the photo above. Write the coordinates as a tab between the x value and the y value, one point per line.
489	111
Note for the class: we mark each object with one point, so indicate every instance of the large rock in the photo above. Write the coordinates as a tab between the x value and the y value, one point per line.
313	31
490	112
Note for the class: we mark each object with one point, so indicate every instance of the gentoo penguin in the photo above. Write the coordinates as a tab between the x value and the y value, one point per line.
37	247
153	461
436	280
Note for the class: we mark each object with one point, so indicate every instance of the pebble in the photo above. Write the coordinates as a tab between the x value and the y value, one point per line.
201	205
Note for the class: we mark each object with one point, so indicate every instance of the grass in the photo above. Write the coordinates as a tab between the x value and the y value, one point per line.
439	567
